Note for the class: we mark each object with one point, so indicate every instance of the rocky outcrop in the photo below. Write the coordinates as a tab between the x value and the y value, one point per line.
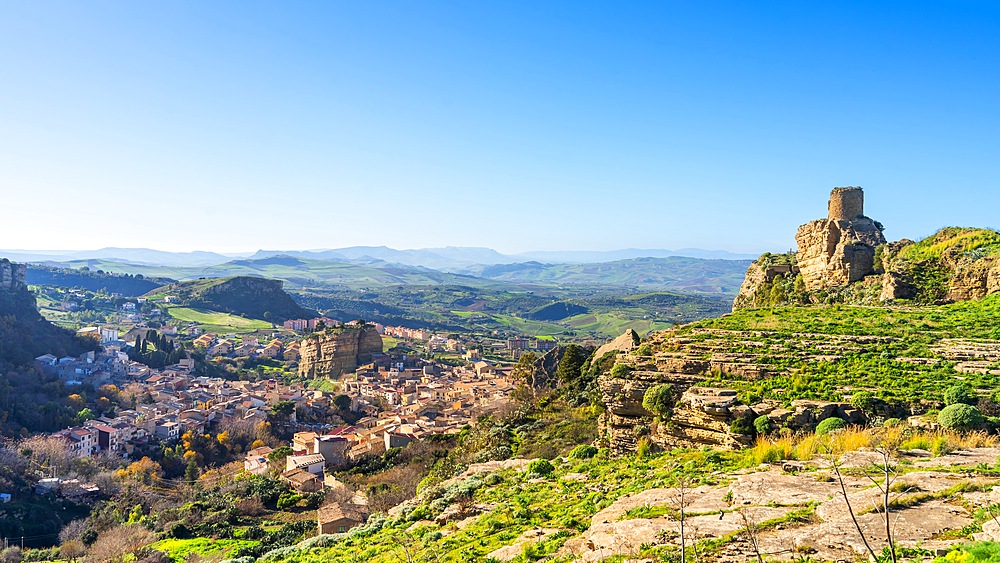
24	333
624	343
12	276
761	272
339	351
703	414
840	249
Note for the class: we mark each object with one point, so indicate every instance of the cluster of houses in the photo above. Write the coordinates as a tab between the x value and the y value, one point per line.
247	345
175	401
400	399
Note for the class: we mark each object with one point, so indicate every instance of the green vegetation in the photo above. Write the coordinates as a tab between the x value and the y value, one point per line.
831	424
251	297
974	242
960	416
960	393
215	321
180	550
658	400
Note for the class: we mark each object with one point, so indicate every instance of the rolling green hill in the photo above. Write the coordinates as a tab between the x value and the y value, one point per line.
672	273
256	298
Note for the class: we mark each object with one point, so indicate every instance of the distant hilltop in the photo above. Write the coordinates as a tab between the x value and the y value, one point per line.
252	297
846	258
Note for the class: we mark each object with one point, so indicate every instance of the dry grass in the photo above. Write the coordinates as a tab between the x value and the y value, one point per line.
804	447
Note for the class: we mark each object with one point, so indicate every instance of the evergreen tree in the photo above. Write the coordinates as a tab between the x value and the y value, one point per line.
192	472
571	364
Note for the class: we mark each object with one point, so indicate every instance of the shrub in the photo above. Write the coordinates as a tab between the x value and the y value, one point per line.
863	400
658	400
643	448
742	426
179	530
540	466
288	501
960	393
583	451
892	422
620	370
831	424
763	425
960	416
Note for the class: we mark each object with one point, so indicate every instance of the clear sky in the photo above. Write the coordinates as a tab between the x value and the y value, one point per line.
234	126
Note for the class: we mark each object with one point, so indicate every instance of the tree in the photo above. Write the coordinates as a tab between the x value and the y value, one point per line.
120	543
283	409
342	402
72	550
571	364
524	371
192	472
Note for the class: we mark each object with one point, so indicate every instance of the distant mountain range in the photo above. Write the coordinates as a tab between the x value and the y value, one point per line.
453	259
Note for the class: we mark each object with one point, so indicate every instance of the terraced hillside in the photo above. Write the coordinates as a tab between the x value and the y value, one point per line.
798	365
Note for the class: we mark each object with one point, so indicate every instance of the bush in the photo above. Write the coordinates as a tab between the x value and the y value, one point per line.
658	400
180	531
742	426
541	467
643	448
288	501
960	393
762	424
863	400
620	370
583	451
831	424
892	422
960	416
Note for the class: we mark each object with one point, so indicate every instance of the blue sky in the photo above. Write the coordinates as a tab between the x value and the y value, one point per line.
233	126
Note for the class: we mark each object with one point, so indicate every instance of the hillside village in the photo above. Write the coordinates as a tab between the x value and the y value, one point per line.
396	398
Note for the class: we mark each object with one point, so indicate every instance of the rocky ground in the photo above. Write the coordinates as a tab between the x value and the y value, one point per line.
802	509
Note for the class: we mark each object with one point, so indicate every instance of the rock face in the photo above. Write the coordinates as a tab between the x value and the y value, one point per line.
704	415
759	274
12	276
624	343
339	352
840	249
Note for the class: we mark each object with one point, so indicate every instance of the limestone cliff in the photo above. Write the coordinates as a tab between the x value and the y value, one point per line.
12	276
337	352
24	334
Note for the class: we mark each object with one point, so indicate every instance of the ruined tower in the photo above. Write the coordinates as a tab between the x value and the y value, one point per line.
846	203
840	249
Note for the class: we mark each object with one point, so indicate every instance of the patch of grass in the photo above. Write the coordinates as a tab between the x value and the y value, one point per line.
215	321
179	550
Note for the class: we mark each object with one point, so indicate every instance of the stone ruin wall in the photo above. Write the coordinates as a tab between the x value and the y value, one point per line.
846	204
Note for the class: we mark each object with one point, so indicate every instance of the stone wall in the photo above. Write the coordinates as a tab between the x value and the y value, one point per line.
339	352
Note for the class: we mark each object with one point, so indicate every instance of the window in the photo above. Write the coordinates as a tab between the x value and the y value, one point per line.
341	529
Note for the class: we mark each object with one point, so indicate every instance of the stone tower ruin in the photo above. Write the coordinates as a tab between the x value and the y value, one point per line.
840	249
847	204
